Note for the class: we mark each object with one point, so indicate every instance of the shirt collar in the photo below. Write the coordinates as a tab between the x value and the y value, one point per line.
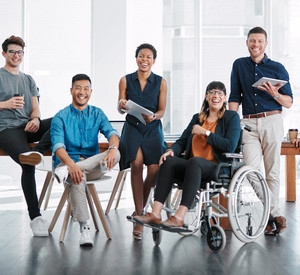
264	60
77	112
150	78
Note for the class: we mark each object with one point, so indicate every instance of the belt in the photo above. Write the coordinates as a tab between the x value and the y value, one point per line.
264	114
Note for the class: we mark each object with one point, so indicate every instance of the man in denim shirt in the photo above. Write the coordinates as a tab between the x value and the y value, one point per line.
74	137
262	108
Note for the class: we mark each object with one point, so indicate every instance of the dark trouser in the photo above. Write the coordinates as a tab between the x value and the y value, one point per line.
14	142
188	171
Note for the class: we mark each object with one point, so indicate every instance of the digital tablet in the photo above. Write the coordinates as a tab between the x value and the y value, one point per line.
273	81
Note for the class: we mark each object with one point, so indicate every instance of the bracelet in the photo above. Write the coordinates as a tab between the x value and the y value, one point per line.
277	96
35	117
112	147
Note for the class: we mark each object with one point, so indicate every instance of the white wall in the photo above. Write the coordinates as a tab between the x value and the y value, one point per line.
116	37
109	53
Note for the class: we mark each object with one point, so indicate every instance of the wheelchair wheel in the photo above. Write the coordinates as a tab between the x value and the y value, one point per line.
216	238
191	217
248	204
156	234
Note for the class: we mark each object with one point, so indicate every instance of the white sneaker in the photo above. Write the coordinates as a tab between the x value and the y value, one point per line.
85	239
39	227
61	173
31	158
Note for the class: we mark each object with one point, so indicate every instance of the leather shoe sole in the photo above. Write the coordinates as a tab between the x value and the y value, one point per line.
30	158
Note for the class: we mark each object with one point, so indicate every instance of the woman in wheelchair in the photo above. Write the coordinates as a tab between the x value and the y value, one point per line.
210	133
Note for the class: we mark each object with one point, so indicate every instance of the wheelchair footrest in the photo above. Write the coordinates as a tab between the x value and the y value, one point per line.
177	229
151	225
185	228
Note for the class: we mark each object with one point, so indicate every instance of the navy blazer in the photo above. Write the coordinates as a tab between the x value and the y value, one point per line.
224	140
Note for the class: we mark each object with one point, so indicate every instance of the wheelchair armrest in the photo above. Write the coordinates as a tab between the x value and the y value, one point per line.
233	155
216	174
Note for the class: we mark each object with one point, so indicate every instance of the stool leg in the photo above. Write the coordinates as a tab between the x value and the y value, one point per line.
59	208
121	190
114	191
65	223
95	197
45	187
49	193
92	209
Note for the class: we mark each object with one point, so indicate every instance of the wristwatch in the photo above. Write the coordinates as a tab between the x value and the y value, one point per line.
112	147
277	96
207	133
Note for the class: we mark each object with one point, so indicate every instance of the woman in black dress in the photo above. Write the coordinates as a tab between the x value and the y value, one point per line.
142	143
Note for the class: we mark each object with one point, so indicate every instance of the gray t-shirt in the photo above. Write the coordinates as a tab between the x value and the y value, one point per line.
11	84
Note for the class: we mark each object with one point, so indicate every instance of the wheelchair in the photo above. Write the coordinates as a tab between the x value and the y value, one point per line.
248	204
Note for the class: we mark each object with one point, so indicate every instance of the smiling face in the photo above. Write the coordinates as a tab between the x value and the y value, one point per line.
215	99
257	44
13	60
145	60
81	93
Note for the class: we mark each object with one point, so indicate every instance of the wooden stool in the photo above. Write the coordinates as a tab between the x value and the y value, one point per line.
119	181
119	184
92	199
46	166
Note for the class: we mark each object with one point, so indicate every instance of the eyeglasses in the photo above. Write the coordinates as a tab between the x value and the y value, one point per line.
13	52
213	92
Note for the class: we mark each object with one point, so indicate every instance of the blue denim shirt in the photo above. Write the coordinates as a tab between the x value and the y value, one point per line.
244	73
77	131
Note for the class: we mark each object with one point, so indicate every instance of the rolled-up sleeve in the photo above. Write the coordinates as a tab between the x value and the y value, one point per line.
57	133
235	86
105	127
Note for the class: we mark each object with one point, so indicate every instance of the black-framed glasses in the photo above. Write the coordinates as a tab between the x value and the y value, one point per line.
13	52
213	92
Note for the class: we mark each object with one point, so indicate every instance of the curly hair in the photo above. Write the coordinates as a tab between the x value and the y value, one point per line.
146	46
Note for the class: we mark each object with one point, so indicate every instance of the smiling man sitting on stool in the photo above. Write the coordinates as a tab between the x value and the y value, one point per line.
74	137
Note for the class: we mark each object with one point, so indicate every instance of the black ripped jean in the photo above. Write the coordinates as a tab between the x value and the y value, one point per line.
188	171
14	142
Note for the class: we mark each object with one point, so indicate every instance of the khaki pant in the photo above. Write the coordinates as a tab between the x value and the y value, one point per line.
263	143
91	170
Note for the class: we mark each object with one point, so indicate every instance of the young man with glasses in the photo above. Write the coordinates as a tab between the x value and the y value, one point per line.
20	124
262	107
